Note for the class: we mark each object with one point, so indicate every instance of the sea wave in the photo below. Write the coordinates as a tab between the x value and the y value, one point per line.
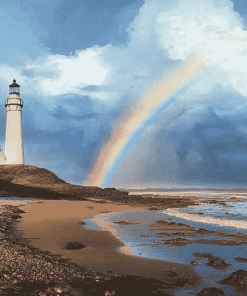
240	224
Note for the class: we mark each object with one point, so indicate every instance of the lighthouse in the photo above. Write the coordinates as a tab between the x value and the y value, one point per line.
13	153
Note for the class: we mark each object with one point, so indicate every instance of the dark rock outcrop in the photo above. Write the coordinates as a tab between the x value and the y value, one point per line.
238	259
211	291
237	279
213	261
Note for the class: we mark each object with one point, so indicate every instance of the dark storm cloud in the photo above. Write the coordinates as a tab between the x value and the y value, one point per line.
62	143
222	148
197	140
83	108
83	23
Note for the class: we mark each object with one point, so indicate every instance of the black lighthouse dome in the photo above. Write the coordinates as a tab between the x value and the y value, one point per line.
14	88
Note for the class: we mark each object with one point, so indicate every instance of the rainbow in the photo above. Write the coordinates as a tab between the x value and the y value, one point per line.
131	128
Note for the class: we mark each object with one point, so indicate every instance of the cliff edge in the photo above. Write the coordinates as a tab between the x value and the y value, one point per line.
31	181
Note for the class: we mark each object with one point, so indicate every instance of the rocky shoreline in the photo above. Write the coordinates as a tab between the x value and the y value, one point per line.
25	270
180	234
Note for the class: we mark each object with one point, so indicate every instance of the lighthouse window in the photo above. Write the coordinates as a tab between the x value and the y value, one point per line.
14	90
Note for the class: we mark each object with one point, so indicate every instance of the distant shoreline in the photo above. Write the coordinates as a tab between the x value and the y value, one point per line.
182	189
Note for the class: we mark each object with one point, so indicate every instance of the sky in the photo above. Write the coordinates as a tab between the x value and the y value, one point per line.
85	65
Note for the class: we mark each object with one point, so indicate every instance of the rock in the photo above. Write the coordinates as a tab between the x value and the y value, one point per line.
16	217
211	292
238	259
122	222
193	262
58	290
112	293
205	231
8	287
74	246
176	242
238	279
82	223
234	198
217	262
213	261
62	288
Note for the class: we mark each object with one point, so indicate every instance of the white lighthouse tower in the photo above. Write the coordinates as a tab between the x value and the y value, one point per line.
13	137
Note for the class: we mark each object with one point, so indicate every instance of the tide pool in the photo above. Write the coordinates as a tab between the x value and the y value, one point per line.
145	242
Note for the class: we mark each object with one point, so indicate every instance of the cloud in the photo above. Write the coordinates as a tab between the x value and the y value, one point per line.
59	74
200	140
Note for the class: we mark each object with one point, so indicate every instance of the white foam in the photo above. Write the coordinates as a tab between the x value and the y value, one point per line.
192	217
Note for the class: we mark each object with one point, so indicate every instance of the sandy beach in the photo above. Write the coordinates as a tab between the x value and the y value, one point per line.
49	225
39	239
41	232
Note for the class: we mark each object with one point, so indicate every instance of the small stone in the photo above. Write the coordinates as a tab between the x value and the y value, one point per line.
108	293
62	288
48	290
7	287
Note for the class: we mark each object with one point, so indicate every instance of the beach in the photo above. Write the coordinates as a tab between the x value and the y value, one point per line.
45	230
48	225
85	247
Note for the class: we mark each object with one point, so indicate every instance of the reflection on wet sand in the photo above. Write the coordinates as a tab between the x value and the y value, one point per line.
107	226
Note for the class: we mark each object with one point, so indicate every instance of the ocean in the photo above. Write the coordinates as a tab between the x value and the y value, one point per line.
140	240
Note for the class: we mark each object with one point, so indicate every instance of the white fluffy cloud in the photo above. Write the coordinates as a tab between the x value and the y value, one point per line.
59	74
162	30
190	23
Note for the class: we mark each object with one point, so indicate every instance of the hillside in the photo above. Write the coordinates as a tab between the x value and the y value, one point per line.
31	181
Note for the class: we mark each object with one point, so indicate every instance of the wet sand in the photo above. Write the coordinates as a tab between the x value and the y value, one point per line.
50	225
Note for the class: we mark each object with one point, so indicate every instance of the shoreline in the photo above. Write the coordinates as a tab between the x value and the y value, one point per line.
62	225
26	270
47	226
52	253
